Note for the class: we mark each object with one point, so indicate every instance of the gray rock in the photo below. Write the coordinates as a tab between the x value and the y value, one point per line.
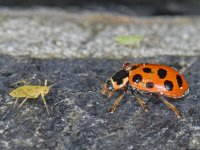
79	117
55	33
71	42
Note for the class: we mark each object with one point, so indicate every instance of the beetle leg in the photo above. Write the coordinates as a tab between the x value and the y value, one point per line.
172	107
23	102
104	90
140	101
45	104
110	94
116	103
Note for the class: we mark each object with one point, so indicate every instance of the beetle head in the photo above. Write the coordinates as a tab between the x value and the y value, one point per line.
127	66
116	82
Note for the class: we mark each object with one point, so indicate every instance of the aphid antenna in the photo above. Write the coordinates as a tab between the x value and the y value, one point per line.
25	81
20	81
53	84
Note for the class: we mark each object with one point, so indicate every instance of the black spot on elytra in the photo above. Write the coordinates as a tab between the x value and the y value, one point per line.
162	73
119	76
134	67
147	70
149	85
137	78
168	85
179	80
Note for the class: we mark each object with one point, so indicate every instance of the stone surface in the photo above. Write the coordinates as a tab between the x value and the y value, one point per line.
142	7
79	117
50	33
71	41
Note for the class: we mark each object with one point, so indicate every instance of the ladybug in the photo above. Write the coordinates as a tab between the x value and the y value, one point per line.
151	79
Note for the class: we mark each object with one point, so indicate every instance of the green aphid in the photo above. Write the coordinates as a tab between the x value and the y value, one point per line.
30	91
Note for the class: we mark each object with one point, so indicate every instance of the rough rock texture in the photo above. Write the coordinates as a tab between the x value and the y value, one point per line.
79	117
45	33
142	7
71	41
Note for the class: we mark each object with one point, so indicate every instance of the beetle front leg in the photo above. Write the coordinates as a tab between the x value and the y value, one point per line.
116	103
105	91
124	89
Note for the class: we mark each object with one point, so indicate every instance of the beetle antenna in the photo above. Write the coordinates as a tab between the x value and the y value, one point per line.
190	85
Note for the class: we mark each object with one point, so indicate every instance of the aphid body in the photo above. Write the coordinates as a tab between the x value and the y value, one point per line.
30	91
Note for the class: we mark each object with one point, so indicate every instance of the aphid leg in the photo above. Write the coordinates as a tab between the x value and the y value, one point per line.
172	107
45	104
23	102
15	102
21	81
117	102
139	100
45	82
